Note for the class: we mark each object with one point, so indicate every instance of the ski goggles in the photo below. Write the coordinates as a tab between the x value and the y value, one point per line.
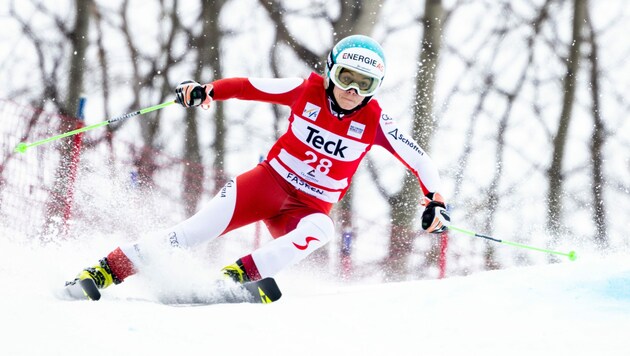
347	78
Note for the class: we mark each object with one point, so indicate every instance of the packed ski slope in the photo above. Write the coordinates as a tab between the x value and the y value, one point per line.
579	308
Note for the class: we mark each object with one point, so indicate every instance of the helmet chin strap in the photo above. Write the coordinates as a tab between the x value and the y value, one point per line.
334	105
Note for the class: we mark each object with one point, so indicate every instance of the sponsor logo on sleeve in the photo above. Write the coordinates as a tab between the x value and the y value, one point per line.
311	111
386	120
409	142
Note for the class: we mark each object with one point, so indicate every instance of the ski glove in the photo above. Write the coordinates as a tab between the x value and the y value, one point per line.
435	218
191	93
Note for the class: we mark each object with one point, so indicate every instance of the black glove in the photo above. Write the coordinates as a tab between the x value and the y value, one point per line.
190	93
435	218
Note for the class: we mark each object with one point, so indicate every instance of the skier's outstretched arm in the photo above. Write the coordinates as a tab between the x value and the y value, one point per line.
400	144
284	91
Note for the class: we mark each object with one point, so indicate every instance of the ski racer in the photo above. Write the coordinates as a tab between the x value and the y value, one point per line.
334	122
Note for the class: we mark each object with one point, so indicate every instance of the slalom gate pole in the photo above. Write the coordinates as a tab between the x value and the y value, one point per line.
571	254
23	146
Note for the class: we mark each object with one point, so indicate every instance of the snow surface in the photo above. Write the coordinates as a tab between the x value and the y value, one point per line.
570	308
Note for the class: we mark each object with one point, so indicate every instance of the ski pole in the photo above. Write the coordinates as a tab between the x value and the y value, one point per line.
571	254
23	146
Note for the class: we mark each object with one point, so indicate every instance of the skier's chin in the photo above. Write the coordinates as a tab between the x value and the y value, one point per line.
348	104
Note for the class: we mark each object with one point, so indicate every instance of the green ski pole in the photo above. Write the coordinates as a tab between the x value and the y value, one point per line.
571	254
23	146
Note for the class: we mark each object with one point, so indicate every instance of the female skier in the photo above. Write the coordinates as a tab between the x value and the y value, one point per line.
334	122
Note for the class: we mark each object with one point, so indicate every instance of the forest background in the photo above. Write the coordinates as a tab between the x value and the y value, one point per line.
522	104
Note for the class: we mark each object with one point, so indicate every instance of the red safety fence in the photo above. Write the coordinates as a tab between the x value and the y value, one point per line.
27	179
23	177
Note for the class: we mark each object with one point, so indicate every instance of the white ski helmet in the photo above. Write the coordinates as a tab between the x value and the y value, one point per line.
360	54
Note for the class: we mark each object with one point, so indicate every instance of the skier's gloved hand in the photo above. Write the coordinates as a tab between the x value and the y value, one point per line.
191	93
435	218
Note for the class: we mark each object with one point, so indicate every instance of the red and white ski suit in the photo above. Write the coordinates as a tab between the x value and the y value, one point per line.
307	170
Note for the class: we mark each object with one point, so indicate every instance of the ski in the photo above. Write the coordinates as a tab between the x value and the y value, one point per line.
264	291
82	289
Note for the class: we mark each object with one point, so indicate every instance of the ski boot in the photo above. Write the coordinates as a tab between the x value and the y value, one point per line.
236	272
90	280
263	290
